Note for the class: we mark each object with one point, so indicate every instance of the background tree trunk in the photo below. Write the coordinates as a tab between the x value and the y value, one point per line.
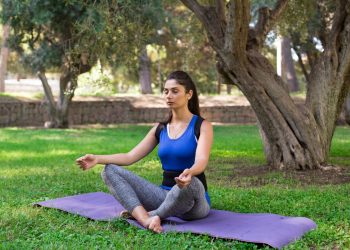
58	111
4	56
288	69
229	89
145	72
50	100
347	110
218	89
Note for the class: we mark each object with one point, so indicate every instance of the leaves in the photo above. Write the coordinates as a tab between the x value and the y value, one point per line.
50	33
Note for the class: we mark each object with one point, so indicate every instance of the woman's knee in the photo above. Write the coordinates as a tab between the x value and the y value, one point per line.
196	185
193	189
109	170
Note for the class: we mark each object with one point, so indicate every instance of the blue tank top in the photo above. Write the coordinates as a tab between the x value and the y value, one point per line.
178	154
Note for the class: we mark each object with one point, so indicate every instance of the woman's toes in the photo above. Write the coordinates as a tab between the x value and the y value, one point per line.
155	224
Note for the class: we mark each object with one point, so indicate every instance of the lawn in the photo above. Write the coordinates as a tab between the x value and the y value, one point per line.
38	164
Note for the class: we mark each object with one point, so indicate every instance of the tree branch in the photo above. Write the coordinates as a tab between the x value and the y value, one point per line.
267	19
337	26
323	30
236	35
69	93
47	89
220	10
210	20
302	66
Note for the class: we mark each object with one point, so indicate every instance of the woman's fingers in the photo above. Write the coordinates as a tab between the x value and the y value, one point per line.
83	158
183	181
82	164
178	180
180	183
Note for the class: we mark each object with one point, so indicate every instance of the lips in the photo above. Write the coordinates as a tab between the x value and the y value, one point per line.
169	103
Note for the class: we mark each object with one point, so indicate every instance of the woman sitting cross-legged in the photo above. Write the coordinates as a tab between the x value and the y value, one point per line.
184	142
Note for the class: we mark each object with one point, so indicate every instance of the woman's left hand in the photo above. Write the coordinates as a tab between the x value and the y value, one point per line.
184	178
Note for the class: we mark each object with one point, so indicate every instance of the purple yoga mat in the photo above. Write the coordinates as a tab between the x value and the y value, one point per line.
271	229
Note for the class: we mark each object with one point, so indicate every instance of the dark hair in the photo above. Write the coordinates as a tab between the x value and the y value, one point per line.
185	80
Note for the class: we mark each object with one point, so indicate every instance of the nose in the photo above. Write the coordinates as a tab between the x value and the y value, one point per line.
168	95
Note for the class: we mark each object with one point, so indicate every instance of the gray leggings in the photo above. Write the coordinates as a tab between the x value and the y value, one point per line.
130	190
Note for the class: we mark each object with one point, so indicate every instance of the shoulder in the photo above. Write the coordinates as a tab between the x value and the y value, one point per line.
156	126
206	126
157	129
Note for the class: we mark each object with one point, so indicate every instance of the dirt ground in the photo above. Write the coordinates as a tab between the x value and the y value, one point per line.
261	175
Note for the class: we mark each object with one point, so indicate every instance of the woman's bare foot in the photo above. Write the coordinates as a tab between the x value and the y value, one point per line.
155	224
151	222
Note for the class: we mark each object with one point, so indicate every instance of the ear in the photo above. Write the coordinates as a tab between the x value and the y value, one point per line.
189	94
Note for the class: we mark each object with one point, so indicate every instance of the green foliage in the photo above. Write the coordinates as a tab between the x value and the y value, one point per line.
107	81
296	18
302	20
51	33
187	48
124	28
38	164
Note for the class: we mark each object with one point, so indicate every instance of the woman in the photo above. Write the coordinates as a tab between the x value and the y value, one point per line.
183	156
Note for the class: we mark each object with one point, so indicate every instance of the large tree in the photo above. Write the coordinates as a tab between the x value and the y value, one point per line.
294	137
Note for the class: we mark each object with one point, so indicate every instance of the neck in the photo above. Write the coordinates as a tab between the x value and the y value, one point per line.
183	115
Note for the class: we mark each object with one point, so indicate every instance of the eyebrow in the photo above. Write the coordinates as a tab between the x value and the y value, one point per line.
171	88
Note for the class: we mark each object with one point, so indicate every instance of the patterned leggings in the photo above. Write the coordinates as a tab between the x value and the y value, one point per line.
130	190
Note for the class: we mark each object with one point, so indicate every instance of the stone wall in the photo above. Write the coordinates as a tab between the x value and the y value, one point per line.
33	113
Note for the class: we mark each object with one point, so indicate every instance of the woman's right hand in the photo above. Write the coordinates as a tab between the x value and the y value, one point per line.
87	161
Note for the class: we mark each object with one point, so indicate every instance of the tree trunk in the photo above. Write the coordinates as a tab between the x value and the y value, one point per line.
145	72
4	57
229	89
288	135
159	71
302	66
58	111
50	101
294	137
288	70
347	110
218	90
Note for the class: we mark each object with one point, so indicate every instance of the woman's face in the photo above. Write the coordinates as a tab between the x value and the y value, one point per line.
175	94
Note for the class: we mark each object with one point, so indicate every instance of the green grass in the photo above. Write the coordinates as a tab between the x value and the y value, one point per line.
37	165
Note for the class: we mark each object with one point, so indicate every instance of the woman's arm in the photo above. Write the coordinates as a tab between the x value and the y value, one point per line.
205	142
142	149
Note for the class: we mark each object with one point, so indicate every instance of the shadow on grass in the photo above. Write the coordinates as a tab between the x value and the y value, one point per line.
240	172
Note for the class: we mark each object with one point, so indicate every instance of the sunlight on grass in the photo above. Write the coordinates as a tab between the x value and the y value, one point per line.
36	155
13	173
342	141
232	154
